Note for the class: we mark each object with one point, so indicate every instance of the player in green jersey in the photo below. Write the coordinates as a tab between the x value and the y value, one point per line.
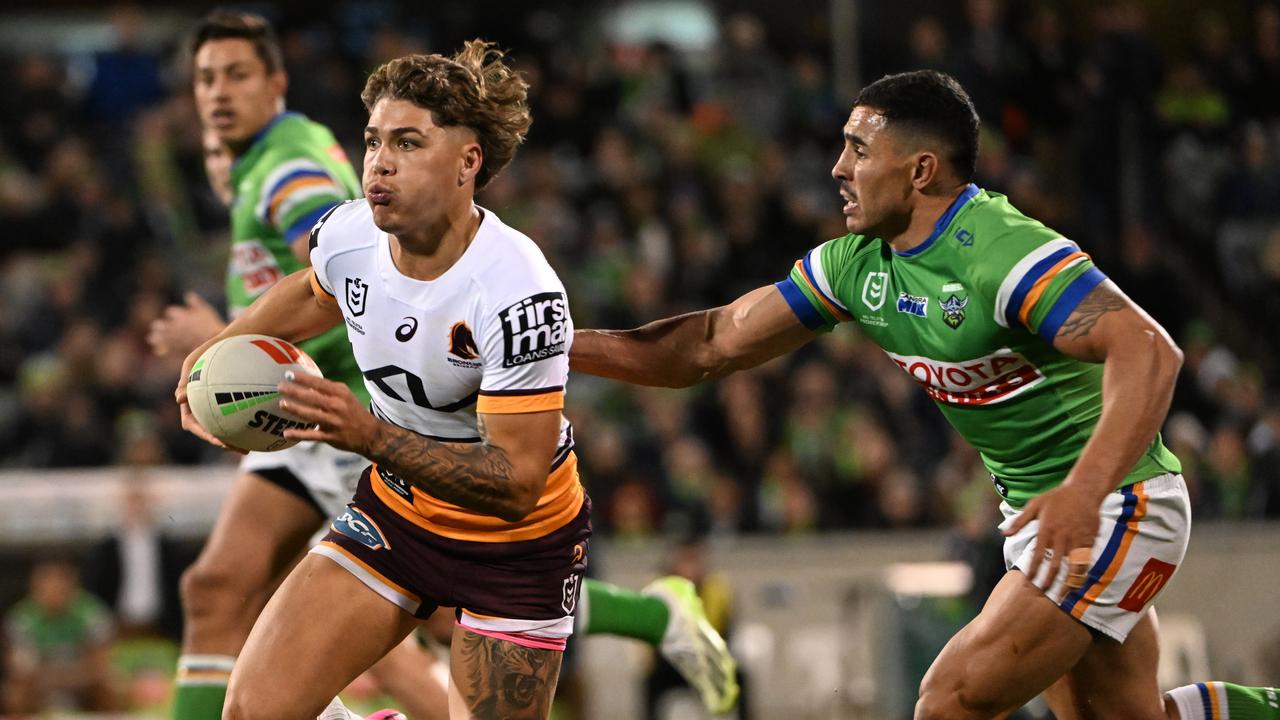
1036	358
280	172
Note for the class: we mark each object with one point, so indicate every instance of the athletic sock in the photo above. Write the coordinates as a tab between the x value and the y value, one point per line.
605	608
201	686
1224	701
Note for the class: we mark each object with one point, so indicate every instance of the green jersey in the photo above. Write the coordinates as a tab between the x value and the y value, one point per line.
970	314
293	172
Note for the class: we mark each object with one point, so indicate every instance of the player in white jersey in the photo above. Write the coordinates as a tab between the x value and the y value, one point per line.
460	328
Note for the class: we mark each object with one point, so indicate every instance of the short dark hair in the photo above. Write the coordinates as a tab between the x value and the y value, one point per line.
224	24
931	103
473	89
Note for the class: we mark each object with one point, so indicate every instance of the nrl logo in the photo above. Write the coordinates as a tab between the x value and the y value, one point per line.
874	289
357	293
953	310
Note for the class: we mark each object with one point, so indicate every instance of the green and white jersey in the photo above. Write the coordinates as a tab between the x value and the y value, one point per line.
971	314
293	172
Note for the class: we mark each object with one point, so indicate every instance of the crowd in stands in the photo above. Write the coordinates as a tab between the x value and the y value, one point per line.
659	181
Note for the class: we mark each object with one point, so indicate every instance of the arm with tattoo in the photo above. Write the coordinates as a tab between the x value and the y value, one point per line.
476	476
1140	366
502	475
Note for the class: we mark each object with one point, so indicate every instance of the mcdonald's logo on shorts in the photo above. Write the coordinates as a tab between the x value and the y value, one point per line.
1155	574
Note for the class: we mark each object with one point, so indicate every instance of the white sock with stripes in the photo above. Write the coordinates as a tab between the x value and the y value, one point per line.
1190	702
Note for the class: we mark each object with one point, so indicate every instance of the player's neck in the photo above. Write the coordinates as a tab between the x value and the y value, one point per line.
928	209
428	254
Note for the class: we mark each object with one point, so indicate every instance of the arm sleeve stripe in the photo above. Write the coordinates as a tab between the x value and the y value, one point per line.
293	195
1042	284
800	304
833	308
516	392
509	405
1019	295
324	296
1067	302
1018	271
816	274
286	172
304	224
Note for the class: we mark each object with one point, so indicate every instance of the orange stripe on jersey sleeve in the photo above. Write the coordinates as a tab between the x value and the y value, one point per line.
1042	284
510	403
325	297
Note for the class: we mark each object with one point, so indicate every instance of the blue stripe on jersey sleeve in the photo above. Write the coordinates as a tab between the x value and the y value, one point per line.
305	223
1068	301
296	174
800	304
1028	281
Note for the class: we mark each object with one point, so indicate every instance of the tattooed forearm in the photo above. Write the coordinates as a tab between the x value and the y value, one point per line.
476	476
1100	301
499	679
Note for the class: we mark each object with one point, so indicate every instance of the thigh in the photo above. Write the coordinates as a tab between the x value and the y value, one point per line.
320	630
1117	681
260	531
496	679
1018	646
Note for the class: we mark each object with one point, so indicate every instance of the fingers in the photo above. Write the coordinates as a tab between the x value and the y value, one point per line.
195	302
1078	561
1029	512
193	426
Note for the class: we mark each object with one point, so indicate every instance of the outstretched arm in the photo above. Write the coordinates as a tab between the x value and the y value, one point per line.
1140	367
688	349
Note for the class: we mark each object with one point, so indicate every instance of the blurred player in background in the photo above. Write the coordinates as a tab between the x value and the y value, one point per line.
668	615
1037	359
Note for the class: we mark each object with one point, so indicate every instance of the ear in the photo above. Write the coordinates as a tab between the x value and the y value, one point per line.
925	169
472	161
279	81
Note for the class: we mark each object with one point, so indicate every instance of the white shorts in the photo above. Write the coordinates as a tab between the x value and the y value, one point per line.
1142	536
328	475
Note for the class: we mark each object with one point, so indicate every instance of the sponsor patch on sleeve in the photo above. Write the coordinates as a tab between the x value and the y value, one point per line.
533	329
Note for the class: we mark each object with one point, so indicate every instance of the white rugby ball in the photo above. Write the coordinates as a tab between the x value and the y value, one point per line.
233	390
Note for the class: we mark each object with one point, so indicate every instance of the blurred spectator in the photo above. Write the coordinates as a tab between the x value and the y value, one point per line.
57	640
135	571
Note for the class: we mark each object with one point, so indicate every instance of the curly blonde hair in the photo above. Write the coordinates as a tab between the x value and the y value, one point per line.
473	89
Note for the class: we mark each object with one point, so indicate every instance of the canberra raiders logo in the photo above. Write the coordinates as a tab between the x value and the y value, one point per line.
953	306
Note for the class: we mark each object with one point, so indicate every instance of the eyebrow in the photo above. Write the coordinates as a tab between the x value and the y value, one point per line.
234	65
371	130
854	139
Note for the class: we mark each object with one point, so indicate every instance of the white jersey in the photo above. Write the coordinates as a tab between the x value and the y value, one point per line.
490	335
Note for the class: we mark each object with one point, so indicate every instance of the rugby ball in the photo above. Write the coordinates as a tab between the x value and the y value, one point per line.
233	390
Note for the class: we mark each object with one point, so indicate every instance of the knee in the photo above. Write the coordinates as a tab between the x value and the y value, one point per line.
212	588
953	703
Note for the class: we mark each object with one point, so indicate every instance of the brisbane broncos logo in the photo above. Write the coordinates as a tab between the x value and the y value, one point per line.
461	343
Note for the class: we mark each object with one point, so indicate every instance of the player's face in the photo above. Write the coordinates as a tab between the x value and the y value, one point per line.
874	176
217	165
235	95
415	172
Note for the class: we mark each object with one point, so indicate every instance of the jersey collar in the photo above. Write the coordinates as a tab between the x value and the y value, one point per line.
258	136
969	192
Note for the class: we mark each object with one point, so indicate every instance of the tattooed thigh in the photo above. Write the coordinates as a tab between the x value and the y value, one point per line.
499	679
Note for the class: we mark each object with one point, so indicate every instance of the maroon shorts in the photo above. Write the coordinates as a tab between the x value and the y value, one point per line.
523	591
